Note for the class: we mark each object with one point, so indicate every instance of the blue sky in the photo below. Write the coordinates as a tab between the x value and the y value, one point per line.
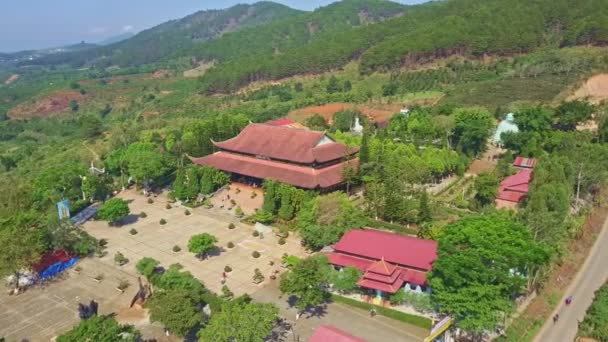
33	24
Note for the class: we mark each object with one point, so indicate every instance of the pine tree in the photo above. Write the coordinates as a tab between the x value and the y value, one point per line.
364	150
424	212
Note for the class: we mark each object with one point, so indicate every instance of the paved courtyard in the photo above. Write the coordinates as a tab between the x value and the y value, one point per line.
156	241
41	313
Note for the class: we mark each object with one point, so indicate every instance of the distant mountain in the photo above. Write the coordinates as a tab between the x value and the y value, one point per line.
116	39
176	35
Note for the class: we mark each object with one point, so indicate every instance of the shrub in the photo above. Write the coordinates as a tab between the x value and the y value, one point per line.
133	231
239	212
230	245
143	214
176	248
255	233
226	293
103	242
227	269
258	277
78	269
233	202
255	254
123	284
282	241
150	201
163	221
187	212
168	206
231	226
99	277
254	194
237	190
120	259
146	267
113	210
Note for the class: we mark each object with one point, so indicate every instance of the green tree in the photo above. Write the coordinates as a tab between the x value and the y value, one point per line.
364	150
344	120
534	119
21	238
424	210
95	188
347	86
252	322
90	126
305	281
390	89
147	267
176	309
595	323
504	256
333	86
316	123
100	328
113	210
486	188
74	106
346	280
146	165
201	244
472	129
569	114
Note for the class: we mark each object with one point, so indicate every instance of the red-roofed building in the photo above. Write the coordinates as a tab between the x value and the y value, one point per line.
524	163
389	261
302	158
328	333
514	189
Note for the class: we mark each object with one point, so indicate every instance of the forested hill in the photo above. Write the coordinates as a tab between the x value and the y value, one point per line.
177	35
424	32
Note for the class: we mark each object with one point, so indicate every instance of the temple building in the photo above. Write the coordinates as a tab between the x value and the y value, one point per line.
390	262
303	158
514	189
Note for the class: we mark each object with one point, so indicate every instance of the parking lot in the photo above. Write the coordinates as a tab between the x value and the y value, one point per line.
157	241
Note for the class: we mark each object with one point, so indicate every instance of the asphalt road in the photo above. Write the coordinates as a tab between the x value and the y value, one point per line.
590	277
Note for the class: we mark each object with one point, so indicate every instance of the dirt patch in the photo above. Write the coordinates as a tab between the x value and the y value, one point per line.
150	113
158	74
595	89
12	79
50	105
200	70
375	112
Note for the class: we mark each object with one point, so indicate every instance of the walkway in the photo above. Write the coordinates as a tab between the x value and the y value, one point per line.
352	320
590	277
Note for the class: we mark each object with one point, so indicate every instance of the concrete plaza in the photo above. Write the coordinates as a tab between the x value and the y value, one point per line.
156	241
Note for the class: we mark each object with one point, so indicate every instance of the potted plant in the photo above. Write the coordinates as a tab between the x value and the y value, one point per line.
176	249
258	277
231	226
133	231
122	285
255	254
143	214
168	206
162	222
230	245
187	212
150	201
99	277
282	241
255	233
227	269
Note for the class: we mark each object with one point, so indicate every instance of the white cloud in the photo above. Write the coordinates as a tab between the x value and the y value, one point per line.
98	30
128	28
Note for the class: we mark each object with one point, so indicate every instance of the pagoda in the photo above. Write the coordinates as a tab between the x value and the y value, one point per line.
303	158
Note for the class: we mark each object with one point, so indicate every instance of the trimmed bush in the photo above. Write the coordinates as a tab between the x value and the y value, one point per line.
187	212
143	214
230	245
227	269
168	206
162	221
238	212
282	241
231	226
255	254
150	201
120	259
255	233
418	321
133	231
176	248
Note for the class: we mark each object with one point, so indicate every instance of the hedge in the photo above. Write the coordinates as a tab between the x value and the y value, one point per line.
418	321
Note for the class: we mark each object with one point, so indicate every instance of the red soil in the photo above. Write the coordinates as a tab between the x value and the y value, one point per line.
375	112
50	105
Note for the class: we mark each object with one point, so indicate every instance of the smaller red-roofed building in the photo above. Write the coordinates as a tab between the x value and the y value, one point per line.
524	163
390	262
514	189
328	333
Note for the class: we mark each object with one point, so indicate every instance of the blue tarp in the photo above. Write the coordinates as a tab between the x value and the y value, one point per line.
57	268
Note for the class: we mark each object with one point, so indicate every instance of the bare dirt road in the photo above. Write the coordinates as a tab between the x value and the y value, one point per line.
590	277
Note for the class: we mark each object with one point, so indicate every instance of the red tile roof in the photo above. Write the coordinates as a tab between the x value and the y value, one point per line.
381	267
398	249
347	260
525	162
327	333
384	287
514	188
284	143
296	175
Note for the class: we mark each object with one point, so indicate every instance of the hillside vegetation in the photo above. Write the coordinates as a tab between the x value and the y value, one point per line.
176	35
428	31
